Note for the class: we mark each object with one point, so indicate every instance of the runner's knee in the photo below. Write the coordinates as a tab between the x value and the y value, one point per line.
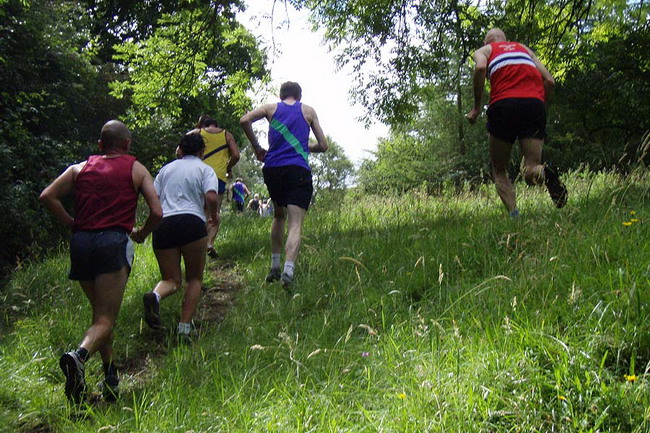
175	283
531	175
105	325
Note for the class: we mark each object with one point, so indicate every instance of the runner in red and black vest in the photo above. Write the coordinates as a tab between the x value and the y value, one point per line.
521	89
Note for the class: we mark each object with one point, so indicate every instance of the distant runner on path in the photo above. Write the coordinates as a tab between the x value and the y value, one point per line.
521	88
254	204
287	173
106	189
239	192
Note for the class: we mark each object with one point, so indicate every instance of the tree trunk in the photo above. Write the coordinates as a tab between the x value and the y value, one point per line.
461	125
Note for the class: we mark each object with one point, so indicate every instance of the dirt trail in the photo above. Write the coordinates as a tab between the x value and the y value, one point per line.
138	368
217	299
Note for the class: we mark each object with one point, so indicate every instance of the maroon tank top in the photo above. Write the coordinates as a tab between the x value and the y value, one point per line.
104	194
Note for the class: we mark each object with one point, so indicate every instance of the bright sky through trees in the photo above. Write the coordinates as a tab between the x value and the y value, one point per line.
300	56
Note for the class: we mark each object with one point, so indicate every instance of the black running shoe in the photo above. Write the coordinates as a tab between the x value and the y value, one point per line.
287	280
212	253
75	381
556	188
274	275
111	389
184	339
151	310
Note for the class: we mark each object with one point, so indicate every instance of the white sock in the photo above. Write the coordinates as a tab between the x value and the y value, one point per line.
183	328
157	297
288	268
275	261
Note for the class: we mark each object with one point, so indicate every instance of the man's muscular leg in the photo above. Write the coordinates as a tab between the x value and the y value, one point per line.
500	157
531	149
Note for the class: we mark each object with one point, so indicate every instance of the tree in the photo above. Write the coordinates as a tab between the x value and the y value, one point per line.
197	59
423	152
192	53
331	171
602	112
402	50
53	101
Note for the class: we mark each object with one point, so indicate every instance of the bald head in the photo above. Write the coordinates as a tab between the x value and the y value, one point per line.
115	135
494	35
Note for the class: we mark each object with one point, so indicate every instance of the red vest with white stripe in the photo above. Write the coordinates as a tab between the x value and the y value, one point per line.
512	73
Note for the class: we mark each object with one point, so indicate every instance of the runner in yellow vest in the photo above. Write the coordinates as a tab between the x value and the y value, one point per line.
221	153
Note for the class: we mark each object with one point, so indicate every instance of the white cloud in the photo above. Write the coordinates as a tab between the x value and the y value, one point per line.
301	57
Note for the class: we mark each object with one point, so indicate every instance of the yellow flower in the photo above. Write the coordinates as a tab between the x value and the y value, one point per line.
630	377
634	220
402	396
561	397
632	212
627	223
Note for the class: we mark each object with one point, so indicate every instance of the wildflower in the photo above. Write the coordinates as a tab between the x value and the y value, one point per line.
630	377
365	354
627	223
634	220
401	396
561	397
632	212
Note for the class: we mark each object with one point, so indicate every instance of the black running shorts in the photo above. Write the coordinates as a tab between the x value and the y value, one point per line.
178	230
516	118
290	184
93	253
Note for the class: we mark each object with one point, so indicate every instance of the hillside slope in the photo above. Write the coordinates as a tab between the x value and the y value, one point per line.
410	314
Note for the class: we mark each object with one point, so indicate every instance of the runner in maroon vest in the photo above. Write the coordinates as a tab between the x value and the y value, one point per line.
521	88
106	189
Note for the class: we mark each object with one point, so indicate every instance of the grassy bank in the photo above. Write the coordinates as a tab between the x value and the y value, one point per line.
410	314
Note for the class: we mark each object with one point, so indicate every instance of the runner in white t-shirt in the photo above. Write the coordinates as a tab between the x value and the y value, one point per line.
183	186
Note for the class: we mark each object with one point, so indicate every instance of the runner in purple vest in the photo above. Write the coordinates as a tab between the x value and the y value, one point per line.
287	174
239	191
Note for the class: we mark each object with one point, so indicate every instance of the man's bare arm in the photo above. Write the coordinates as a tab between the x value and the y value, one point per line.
246	123
481	57
59	188
321	144
211	202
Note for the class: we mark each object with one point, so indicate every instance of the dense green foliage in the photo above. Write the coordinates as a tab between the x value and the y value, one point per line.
66	67
601	113
331	173
410	314
424	153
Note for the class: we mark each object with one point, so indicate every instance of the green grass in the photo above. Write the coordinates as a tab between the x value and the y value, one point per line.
410	314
